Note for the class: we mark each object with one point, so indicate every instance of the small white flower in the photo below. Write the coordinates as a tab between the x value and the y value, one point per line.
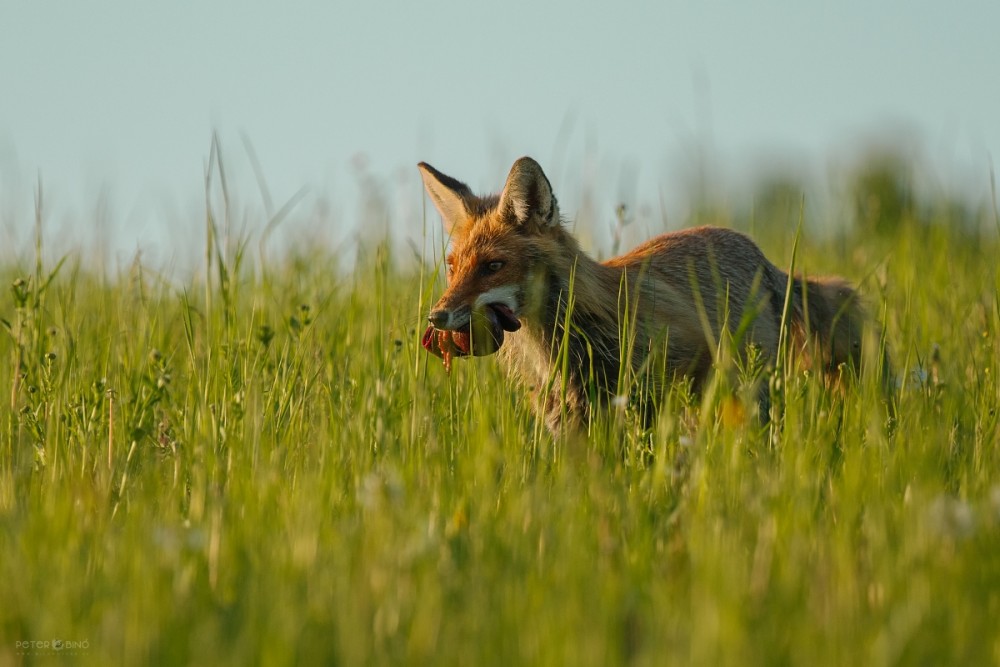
379	487
916	379
951	517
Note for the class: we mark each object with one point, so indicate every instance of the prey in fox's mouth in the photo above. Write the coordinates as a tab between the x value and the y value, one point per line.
480	336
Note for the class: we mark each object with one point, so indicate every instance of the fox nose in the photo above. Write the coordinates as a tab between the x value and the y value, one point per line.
439	318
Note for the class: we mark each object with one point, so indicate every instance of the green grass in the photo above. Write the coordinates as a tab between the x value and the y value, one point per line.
274	471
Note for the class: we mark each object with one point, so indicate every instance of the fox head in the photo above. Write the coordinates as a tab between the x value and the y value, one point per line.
498	245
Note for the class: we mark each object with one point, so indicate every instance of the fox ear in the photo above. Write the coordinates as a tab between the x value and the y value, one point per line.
528	194
449	196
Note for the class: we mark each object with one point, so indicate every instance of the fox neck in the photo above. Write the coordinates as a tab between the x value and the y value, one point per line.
589	289
571	282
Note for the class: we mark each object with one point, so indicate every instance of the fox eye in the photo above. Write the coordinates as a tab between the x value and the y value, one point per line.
494	266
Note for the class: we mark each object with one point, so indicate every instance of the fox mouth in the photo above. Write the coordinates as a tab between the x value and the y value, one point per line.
487	327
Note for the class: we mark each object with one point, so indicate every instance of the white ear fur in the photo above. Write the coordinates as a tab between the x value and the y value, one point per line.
527	193
448	195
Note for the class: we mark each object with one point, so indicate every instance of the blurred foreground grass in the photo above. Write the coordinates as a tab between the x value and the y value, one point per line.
272	470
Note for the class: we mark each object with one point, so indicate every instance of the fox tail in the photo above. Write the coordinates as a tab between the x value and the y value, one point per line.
830	328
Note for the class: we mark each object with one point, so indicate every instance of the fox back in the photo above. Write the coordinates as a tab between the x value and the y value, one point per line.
577	332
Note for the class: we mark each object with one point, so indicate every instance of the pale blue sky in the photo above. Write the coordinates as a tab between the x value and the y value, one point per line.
123	96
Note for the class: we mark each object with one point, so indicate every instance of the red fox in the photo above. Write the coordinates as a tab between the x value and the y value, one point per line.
579	332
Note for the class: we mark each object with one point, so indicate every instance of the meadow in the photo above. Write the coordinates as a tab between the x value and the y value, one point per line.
260	464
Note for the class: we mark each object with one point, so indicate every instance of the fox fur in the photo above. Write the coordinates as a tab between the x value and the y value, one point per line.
590	331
